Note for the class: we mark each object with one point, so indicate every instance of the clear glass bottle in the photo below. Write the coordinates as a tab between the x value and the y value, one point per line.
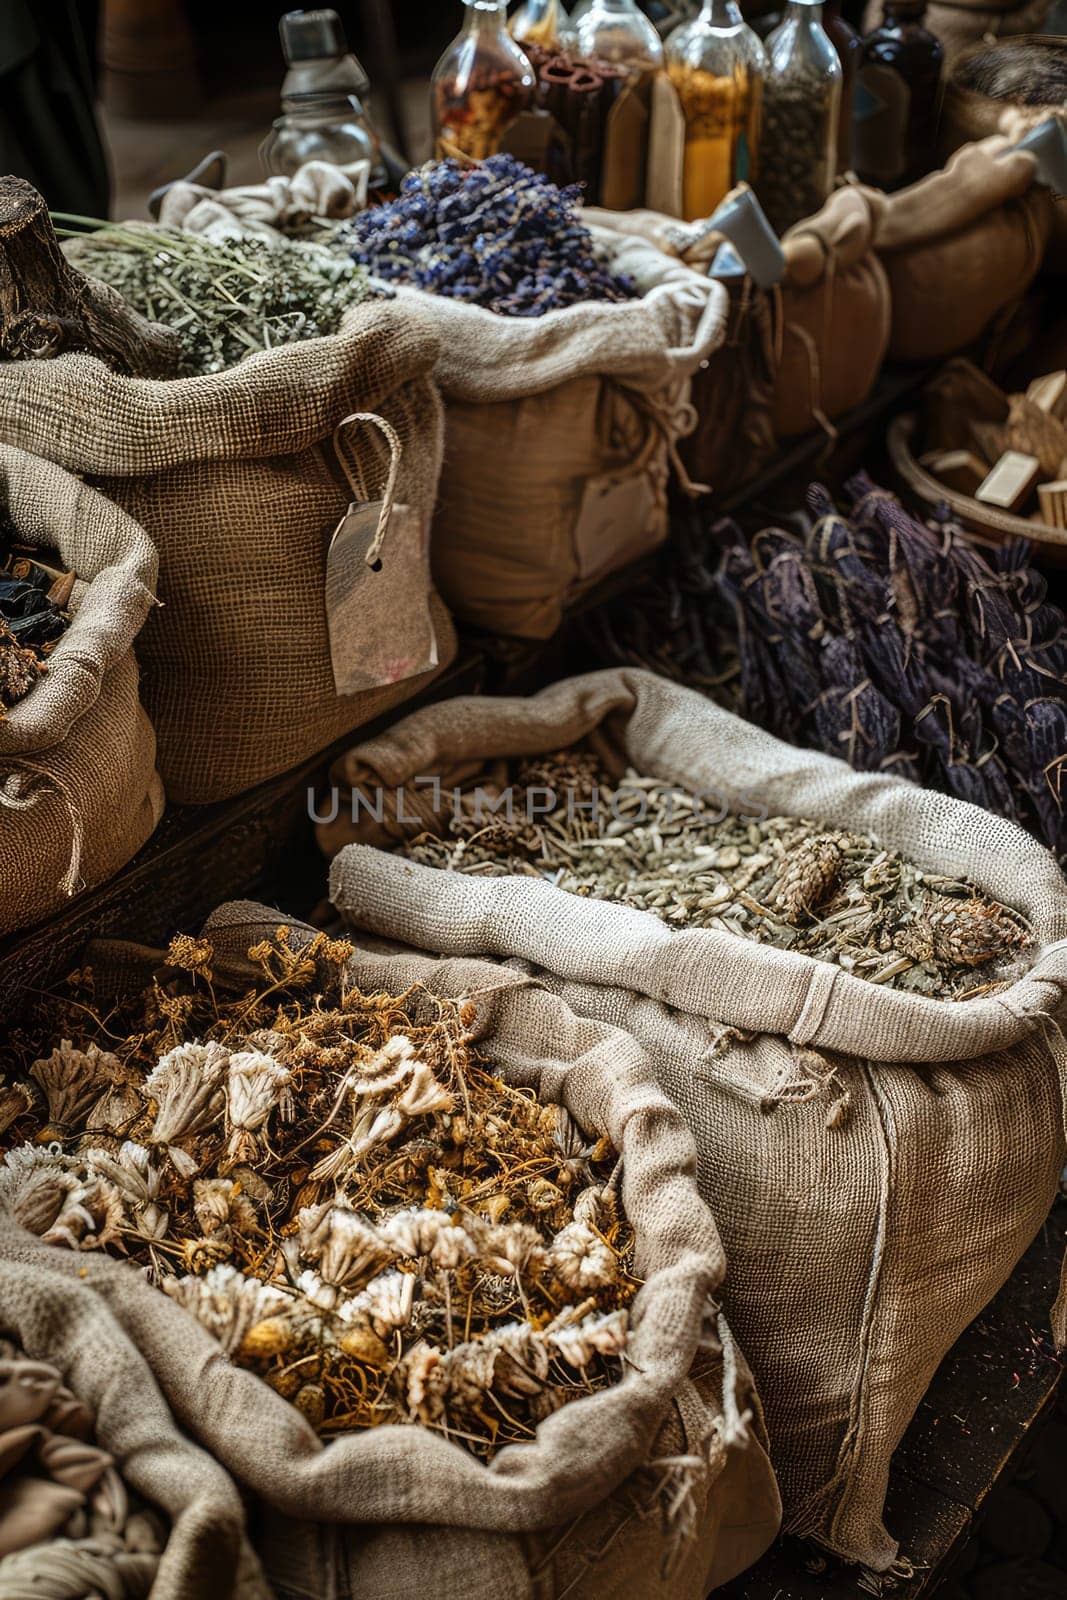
543	24
846	41
717	65
321	125
616	31
898	92
801	100
480	85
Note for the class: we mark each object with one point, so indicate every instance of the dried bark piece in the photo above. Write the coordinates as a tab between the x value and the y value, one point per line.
48	308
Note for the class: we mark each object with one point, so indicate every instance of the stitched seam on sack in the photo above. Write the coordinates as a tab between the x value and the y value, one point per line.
852	1442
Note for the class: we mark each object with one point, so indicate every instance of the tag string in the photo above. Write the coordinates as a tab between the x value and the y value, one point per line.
355	477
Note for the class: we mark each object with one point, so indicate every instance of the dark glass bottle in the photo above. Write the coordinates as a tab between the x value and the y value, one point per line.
897	96
846	41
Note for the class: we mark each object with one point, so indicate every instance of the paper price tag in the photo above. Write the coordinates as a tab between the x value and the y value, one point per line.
378	612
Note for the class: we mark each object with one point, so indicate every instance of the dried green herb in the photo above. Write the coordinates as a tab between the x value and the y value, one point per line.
223	300
835	896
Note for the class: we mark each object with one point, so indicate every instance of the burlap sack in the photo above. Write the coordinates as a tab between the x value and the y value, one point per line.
536	1523
560	432
960	23
235	479
877	1160
79	793
960	246
732	391
834	316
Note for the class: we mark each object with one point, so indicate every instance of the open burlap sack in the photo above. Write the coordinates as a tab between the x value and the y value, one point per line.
834	315
79	793
582	1510
960	246
235	478
560	431
960	23
877	1160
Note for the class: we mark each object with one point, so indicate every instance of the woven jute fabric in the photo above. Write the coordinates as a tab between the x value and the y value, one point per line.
959	246
536	407
79	793
877	1160
685	1389
234	478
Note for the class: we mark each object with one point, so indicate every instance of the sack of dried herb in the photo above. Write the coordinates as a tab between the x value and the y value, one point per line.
959	246
79	793
560	432
851	1132
236	479
650	1472
835	315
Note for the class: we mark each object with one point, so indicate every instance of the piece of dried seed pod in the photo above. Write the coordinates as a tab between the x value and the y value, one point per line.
186	1084
580	1260
809	878
71	1080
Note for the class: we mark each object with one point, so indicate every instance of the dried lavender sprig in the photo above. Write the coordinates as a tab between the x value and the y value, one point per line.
497	235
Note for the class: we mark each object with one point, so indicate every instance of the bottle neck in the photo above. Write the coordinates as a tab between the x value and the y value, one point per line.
898	16
615	8
804	12
485	16
721	13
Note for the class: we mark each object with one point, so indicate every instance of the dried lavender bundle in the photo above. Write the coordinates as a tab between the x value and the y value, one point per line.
835	896
496	235
223	300
873	636
335	1184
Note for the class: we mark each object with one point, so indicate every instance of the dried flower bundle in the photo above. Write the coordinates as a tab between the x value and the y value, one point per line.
836	896
497	235
875	637
335	1184
223	300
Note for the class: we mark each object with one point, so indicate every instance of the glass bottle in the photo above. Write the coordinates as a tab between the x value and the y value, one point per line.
846	41
543	24
480	85
717	65
318	61
898	89
616	31
321	125
798	138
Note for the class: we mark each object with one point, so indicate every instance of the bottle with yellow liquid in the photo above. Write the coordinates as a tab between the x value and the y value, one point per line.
717	66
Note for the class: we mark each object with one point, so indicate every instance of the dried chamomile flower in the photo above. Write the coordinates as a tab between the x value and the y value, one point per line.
71	1080
187	1087
227	1303
580	1342
521	1358
385	1304
388	1090
53	1196
223	1209
15	1100
119	1106
345	1250
512	1249
191	955
580	1260
255	1086
133	1174
430	1235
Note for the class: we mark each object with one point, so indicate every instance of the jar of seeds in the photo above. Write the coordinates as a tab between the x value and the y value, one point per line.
802	97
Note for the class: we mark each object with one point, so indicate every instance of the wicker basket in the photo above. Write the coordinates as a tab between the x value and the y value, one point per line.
989	526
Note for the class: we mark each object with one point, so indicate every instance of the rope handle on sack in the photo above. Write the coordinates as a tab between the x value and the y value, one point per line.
12	800
671	417
356	480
